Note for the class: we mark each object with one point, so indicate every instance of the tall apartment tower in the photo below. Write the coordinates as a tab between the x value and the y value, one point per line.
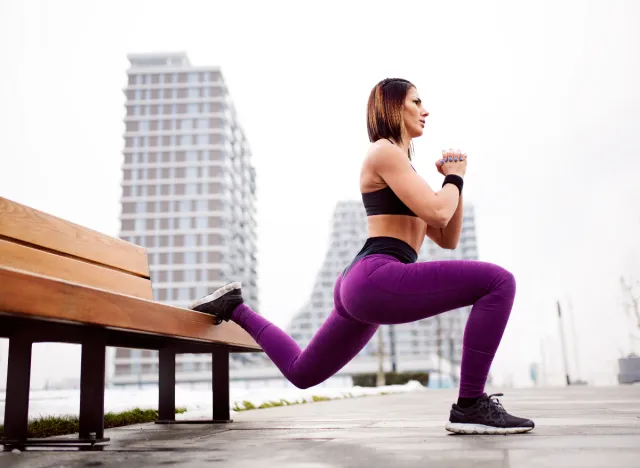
188	194
441	335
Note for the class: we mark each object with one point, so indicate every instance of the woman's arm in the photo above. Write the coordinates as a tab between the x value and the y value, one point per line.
434	208
449	236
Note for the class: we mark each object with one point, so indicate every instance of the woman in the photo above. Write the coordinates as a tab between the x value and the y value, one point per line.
384	284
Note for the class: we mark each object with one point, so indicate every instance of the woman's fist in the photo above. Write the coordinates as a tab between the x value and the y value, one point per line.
452	162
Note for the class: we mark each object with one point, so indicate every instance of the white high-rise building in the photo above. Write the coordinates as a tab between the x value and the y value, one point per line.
421	338
188	195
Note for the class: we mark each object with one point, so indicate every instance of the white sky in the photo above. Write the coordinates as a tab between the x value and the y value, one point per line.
543	96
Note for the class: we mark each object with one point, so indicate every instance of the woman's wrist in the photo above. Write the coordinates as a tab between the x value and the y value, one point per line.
454	179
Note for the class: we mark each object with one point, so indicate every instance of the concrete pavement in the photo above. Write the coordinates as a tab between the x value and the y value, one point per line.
575	427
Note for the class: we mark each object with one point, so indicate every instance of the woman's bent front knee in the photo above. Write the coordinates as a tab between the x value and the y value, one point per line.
503	280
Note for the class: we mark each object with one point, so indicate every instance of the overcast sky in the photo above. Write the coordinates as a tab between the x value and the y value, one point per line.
543	96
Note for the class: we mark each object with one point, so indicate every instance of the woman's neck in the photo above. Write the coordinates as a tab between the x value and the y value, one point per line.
404	146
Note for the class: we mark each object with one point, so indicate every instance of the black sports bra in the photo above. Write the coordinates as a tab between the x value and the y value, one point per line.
384	201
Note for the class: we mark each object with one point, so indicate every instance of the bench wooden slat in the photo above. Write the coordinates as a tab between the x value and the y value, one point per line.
44	263
41	297
39	229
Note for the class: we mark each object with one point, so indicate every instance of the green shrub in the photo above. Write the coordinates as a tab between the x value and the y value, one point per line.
391	378
50	426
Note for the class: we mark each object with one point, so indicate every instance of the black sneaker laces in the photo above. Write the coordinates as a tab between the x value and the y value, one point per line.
494	404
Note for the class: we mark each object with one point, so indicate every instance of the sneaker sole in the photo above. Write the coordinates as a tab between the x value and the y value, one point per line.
480	429
217	293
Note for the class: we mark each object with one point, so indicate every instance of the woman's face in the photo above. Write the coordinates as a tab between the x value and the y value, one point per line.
414	114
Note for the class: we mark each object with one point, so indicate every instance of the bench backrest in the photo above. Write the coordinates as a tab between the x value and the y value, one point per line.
36	242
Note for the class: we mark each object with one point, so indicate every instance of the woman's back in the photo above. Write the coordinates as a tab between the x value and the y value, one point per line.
387	214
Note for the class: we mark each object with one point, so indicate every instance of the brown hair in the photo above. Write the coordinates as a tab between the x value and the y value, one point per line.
384	109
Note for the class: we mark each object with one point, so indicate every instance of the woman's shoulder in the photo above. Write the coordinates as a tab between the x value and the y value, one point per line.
384	151
381	145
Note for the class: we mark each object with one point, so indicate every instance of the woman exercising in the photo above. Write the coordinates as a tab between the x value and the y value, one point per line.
384	284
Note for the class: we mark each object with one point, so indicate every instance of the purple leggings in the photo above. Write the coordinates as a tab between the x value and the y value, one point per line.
378	290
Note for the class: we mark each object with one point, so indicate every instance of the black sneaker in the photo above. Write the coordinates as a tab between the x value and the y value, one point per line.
486	416
221	302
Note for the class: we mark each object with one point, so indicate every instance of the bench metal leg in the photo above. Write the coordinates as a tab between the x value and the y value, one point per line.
92	383
16	410
220	385
167	385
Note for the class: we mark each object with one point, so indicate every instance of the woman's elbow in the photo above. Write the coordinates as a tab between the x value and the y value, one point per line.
436	222
439	219
449	244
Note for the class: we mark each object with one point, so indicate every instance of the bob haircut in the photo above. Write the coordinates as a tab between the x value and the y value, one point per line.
384	110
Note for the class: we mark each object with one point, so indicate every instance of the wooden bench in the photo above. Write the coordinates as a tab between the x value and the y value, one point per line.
60	282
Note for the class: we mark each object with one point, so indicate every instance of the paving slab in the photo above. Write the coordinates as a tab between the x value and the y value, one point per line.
575	427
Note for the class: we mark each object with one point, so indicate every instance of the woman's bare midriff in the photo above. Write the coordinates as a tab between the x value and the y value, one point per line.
407	228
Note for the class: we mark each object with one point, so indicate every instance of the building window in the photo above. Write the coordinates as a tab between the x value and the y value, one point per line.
165	241
215	239
178	241
190	240
201	223
192	189
190	259
123	369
